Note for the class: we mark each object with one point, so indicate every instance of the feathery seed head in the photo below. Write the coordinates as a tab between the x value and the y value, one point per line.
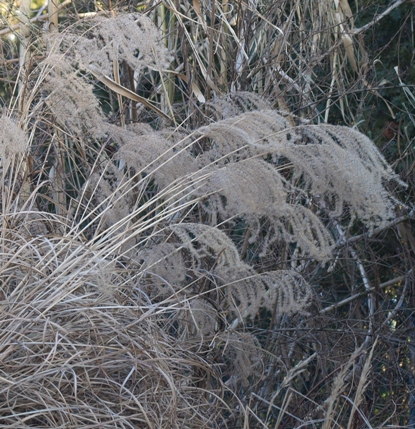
13	140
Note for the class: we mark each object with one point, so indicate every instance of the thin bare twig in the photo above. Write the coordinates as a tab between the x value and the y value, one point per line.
377	18
360	294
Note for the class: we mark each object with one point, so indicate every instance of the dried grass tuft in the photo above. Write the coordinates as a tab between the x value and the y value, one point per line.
81	347
13	140
132	262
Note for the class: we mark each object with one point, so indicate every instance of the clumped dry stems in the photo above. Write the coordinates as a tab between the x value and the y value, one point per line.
127	297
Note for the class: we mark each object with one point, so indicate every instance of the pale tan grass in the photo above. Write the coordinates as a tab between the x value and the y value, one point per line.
127	297
73	351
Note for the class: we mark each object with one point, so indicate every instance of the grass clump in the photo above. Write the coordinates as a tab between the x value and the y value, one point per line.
128	299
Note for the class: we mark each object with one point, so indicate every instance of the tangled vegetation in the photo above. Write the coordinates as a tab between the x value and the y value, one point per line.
186	241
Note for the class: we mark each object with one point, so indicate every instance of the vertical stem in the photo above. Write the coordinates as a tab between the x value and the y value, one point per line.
171	45
168	95
210	47
53	15
365	279
24	16
332	83
116	71
162	24
223	59
134	111
57	172
24	60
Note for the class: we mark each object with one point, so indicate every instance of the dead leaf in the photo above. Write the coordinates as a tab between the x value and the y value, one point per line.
125	92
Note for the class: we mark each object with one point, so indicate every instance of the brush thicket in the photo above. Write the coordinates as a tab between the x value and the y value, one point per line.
133	262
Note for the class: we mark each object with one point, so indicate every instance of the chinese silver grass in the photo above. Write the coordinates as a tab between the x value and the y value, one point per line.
13	140
132	38
13	149
327	161
148	152
334	163
164	265
204	241
256	133
101	41
243	355
198	318
74	344
70	98
234	104
246	292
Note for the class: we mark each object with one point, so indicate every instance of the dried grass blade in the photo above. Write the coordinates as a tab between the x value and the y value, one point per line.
198	10
195	89
361	386
117	80
125	92
348	46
